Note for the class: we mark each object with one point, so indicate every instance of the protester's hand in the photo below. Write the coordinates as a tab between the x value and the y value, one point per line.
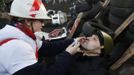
73	48
80	39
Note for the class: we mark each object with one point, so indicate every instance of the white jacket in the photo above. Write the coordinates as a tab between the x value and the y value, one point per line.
17	53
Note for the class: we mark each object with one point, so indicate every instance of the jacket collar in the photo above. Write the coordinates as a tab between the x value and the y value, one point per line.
26	30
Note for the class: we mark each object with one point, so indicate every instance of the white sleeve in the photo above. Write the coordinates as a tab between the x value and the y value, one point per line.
18	55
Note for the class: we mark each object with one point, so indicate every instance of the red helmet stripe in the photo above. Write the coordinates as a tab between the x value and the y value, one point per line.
36	5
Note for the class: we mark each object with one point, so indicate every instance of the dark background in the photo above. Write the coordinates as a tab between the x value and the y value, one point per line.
62	5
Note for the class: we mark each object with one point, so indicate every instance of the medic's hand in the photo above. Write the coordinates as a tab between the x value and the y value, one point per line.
38	35
56	32
73	48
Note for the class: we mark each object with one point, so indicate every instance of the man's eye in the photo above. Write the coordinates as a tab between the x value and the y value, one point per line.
95	39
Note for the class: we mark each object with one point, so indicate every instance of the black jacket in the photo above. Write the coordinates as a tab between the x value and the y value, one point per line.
85	65
61	65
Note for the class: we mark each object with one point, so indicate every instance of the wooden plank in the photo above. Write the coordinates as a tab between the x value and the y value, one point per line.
75	25
105	4
124	25
130	51
127	54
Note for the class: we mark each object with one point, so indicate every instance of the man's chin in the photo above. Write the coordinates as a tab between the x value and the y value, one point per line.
83	47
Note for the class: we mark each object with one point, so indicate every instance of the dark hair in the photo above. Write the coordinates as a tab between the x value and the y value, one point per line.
16	20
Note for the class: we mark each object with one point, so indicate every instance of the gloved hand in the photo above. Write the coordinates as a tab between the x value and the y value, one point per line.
88	29
77	7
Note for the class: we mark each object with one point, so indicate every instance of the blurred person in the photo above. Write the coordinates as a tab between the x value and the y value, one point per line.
20	49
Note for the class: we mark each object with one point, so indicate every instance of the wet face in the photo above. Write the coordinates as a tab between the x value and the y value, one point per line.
91	43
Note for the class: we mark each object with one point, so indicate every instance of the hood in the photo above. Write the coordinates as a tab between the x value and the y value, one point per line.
13	32
10	32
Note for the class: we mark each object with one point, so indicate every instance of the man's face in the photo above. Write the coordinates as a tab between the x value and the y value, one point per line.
91	43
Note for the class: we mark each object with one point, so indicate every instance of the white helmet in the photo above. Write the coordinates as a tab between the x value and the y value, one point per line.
32	9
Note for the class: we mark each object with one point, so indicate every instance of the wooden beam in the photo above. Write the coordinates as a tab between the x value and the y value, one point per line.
75	25
127	54
105	4
124	25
